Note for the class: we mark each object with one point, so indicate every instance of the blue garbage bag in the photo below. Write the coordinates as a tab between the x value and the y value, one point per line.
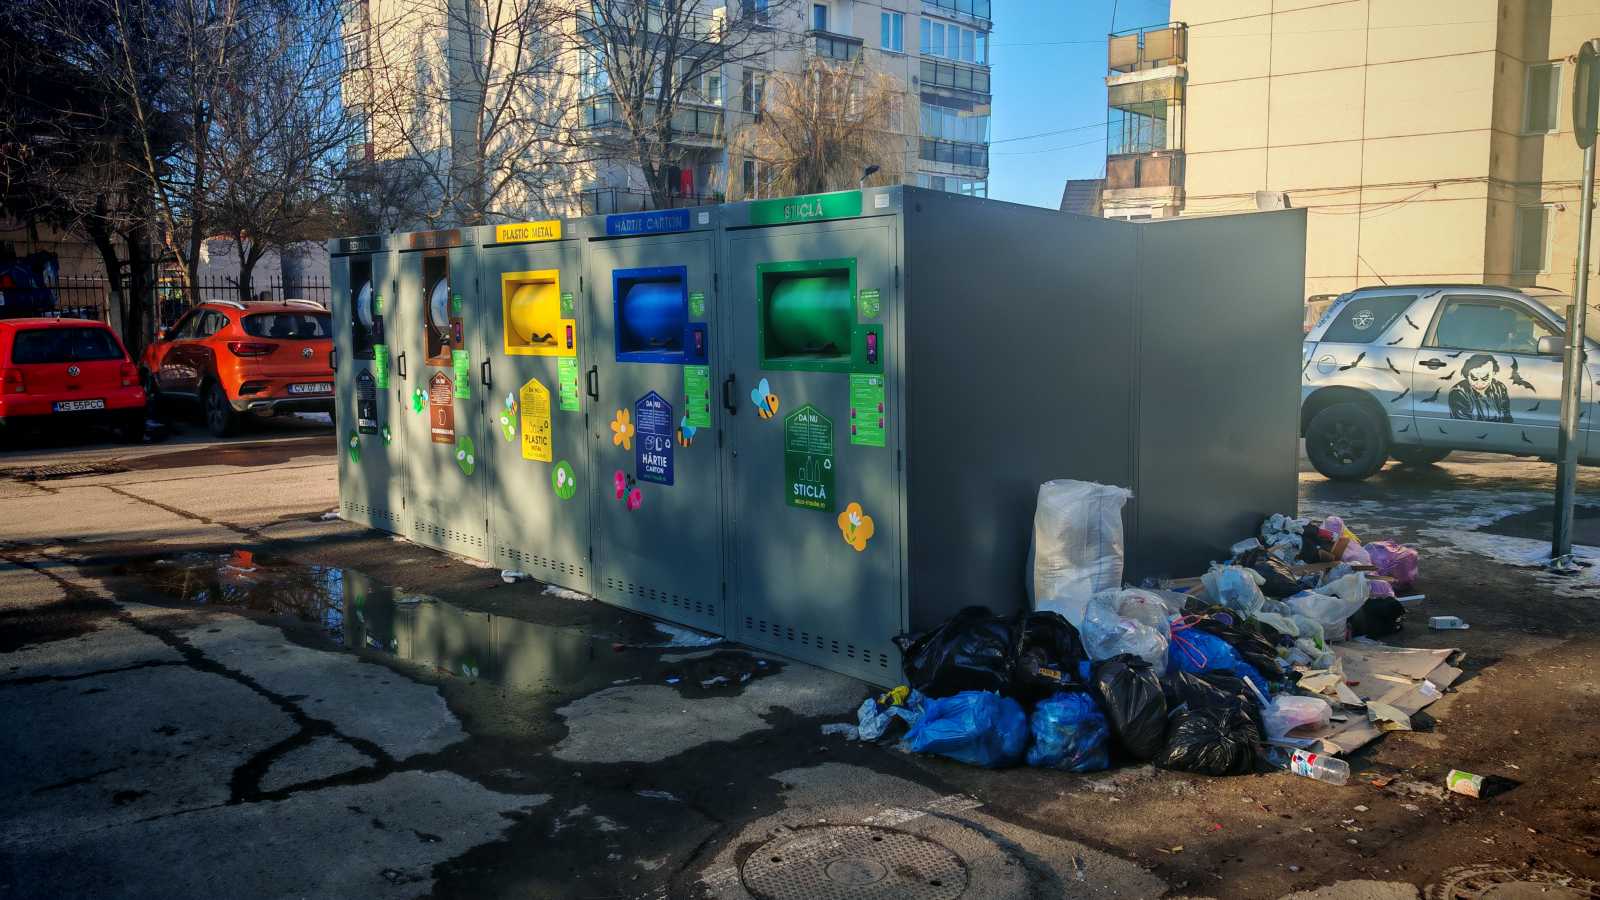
1199	652
1069	732
975	727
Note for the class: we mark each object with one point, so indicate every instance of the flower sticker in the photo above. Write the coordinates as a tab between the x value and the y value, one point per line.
622	430
620	482
418	400
564	480
856	526
508	418
627	490
388	437
354	445
465	455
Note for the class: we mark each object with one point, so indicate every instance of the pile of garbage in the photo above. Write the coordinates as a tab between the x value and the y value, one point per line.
1244	668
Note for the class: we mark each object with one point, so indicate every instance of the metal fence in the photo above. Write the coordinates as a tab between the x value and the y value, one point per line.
175	299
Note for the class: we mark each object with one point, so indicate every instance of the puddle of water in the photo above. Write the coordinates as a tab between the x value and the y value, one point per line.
357	611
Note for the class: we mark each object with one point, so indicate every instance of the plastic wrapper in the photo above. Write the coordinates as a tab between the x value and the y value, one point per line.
1328	609
1130	693
1395	561
1291	712
975	727
1200	652
1069	732
1235	587
1276	579
973	650
877	714
1211	741
1077	545
1128	621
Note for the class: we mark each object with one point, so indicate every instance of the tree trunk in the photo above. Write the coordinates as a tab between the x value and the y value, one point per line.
116	315
141	292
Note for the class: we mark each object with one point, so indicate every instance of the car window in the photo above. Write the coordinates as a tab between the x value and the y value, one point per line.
58	345
294	326
213	323
188	326
1364	318
1492	325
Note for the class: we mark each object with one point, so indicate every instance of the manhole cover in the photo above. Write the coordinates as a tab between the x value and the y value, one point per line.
845	862
62	470
1510	883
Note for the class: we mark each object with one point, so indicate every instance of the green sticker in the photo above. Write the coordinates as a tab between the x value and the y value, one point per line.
377	304
869	302
697	305
508	418
866	410
380	366
353	444
466	456
463	366
564	480
808	459
455	305
387	437
567	383
566	304
697	396
418	400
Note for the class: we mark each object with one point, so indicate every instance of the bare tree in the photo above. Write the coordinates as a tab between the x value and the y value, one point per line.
820	128
466	106
650	67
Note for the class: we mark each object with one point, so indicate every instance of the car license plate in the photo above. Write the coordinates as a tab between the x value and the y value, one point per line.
320	388
78	405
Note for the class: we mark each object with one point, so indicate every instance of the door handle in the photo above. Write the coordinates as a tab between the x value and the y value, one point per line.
333	359
592	383
728	402
1432	363
483	373
400	363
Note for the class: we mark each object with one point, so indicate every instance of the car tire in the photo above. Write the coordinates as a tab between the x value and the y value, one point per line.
1418	456
1347	442
221	420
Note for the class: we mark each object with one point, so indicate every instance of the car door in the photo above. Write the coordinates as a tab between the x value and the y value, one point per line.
1480	382
170	367
1369	343
193	353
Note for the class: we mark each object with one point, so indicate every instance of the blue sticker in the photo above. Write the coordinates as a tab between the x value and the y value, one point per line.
654	429
657	222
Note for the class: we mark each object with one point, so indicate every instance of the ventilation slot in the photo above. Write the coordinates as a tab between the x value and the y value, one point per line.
805	639
371	514
532	561
662	598
444	535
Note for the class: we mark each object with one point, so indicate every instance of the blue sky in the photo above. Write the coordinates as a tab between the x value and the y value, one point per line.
1043	84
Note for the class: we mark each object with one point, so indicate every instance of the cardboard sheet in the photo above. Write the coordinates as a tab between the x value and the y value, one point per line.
1405	678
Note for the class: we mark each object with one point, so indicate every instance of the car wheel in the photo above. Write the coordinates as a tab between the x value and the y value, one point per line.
1418	456
220	417
1347	442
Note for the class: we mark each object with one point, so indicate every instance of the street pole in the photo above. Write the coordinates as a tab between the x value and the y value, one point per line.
1585	124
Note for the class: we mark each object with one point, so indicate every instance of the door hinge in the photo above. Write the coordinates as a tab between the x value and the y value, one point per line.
716	283
591	553
485	524
719	437
899	461
580	284
897	275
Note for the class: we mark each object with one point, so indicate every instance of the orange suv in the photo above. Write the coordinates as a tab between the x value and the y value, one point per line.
234	358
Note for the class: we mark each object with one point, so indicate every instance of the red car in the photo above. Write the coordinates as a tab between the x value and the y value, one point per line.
67	370
260	357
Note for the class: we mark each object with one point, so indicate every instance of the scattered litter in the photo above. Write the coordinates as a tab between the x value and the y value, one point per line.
673	679
657	795
684	637
330	515
512	576
1412	599
1387	718
1464	783
850	732
1447	623
564	593
1420	789
625	680
1079	870
1360	808
713	681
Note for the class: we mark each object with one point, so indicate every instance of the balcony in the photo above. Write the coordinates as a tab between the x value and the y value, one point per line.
955	153
840	47
692	125
1147	182
1147	48
955	76
975	11
605	201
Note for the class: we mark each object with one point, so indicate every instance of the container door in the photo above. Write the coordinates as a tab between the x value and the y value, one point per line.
815	538
536	441
656	486
444	401
371	463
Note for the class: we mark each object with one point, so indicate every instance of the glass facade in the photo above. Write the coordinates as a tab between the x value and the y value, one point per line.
952	41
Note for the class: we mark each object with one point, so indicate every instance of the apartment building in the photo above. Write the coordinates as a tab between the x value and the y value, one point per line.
1430	140
937	49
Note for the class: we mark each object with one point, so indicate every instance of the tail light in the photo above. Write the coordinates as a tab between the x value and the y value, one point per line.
251	348
12	382
130	375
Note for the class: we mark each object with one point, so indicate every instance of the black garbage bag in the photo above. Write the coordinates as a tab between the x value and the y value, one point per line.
1130	693
1377	617
1217	689
1255	641
1211	740
973	650
1313	545
1280	582
1049	653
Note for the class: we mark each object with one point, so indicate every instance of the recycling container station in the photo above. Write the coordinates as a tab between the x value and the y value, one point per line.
911	365
371	462
536	442
656	510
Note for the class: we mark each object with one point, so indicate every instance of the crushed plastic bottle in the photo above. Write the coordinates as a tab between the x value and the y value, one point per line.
1320	766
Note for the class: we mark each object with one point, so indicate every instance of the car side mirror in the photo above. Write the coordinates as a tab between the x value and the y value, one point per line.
1552	345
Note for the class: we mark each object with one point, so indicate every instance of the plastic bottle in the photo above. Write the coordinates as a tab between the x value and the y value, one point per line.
1320	766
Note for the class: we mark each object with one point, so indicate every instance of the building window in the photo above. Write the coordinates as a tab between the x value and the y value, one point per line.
751	89
954	42
1541	100
978	8
819	16
1532	235
754	8
893	27
967	125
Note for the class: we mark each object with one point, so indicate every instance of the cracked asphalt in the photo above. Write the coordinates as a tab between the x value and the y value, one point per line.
340	714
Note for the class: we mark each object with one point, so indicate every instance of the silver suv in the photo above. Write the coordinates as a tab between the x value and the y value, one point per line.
1412	372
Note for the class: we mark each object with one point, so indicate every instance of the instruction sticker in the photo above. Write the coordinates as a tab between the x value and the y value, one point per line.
653	429
366	403
462	365
808	459
441	409
866	410
566	304
697	396
567	383
697	305
869	303
535	402
380	365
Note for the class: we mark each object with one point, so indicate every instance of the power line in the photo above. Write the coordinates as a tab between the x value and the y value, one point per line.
1040	134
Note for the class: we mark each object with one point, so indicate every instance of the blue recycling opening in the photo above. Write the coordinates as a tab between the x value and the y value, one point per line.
652	316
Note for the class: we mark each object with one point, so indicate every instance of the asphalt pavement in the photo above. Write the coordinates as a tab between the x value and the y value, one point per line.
214	688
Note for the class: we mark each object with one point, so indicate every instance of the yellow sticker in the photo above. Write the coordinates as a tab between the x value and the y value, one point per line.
535	402
522	232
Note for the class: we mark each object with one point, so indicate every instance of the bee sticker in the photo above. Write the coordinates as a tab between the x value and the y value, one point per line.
765	400
465	455
508	418
353	444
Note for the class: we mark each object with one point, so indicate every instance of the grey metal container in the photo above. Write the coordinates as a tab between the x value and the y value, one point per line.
371	464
